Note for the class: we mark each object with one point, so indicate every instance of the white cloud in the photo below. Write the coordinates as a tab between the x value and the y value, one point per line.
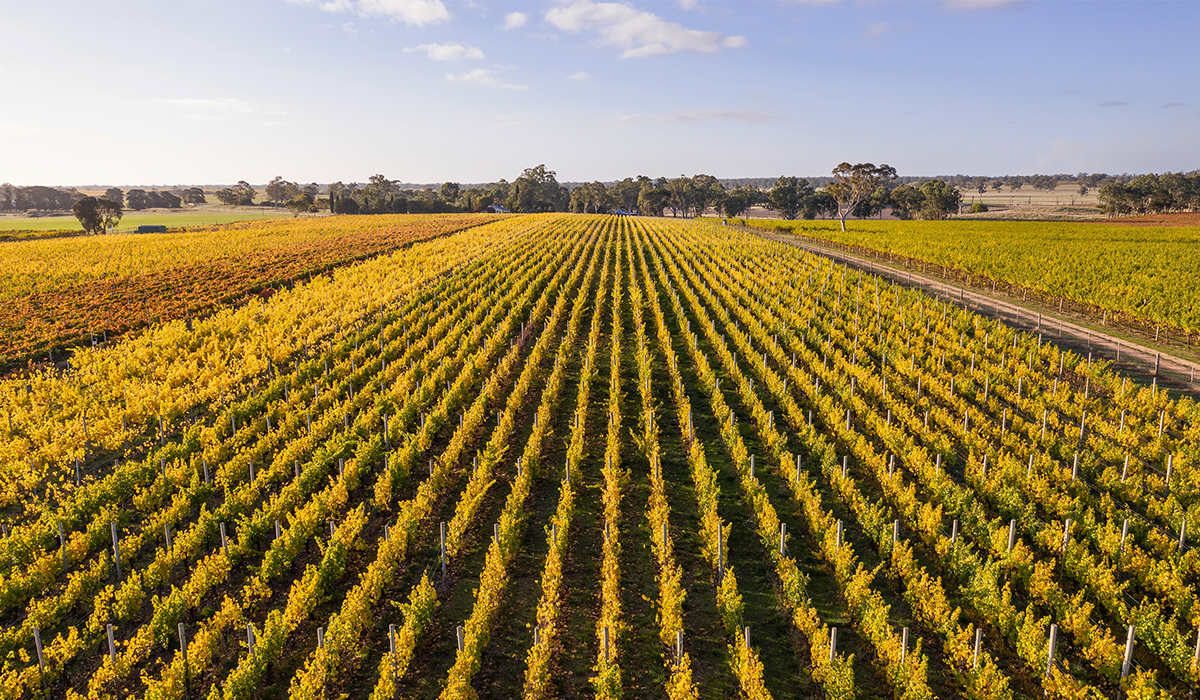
581	76
877	29
638	33
446	52
688	4
515	20
1113	103
485	77
739	116
1172	105
411	12
971	5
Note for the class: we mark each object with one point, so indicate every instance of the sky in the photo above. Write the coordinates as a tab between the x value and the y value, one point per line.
169	92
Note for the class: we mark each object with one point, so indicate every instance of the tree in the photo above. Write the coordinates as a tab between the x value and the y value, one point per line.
227	195
378	193
625	193
193	195
940	199
707	191
907	201
1083	190
737	201
590	197
820	204
537	190
110	212
277	189
161	198
449	192
87	211
300	203
879	200
137	199
854	183
652	198
787	196
113	194
245	192
679	195
96	214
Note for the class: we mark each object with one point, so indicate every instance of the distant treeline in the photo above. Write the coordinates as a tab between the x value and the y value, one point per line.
1152	194
40	198
537	189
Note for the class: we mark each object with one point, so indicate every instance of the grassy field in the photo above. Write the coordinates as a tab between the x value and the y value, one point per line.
1139	274
131	221
566	456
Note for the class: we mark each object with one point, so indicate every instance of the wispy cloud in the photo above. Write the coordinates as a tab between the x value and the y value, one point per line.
485	77
581	76
973	5
411	12
1113	103
639	34
876	30
226	105
1173	105
738	116
515	20
452	51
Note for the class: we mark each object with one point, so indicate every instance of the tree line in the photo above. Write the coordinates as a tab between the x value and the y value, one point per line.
860	191
1152	194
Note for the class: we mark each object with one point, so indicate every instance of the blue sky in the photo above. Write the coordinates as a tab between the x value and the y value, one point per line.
213	91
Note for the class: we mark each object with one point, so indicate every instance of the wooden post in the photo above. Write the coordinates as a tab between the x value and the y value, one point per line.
183	653
720	552
1128	654
1012	534
1052	645
978	643
443	548
112	645
903	644
37	643
116	548
832	643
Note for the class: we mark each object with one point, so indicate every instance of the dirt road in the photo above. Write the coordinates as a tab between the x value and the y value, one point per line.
1139	362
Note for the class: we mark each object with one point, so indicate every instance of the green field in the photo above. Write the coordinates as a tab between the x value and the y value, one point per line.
1144	274
132	221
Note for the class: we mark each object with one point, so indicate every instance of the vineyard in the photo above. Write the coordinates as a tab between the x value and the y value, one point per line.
1135	276
72	291
587	456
